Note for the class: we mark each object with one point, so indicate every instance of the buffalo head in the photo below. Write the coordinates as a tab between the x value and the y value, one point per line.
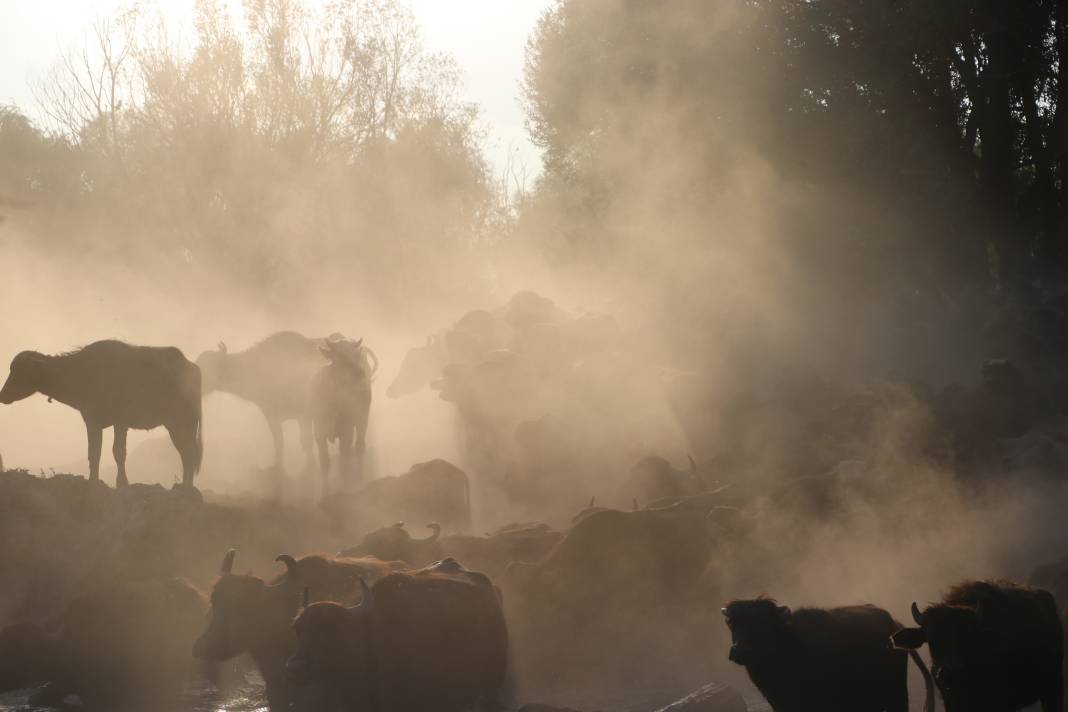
26	377
332	642
758	628
954	634
245	611
212	365
419	367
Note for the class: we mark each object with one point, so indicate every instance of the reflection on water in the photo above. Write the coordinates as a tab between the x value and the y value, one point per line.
241	695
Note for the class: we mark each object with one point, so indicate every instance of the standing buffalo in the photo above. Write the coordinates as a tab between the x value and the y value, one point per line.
825	660
429	639
123	646
114	384
995	646
249	615
341	403
277	376
475	334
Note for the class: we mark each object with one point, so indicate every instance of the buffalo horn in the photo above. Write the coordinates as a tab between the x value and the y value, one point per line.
433	537
366	600
222	348
916	615
592	500
693	465
306	599
228	562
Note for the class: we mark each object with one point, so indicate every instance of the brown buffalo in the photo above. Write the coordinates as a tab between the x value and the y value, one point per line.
649	555
429	639
832	660
490	553
122	646
249	615
995	646
114	384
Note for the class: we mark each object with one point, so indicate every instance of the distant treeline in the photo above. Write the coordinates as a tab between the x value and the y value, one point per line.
906	154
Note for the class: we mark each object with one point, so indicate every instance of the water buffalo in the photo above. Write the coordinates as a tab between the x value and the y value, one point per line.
122	646
429	639
831	660
276	375
114	384
396	544
490	553
249	615
995	646
341	404
433	491
647	556
654	478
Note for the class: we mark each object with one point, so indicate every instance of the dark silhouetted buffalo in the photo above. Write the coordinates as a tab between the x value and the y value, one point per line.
249	615
429	639
114	384
122	646
827	660
995	646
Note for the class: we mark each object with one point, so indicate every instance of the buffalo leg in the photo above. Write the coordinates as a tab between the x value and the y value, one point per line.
1053	698
118	449
344	446
275	425
306	443
96	439
324	457
185	442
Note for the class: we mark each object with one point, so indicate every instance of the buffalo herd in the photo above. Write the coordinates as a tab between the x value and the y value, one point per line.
420	612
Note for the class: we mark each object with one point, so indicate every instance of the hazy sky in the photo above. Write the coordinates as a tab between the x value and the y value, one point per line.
486	37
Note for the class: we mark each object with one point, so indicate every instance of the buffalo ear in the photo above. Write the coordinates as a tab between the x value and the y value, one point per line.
784	611
908	639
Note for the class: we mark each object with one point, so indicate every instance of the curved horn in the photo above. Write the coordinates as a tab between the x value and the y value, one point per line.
367	599
723	611
292	570
374	366
433	537
399	525
592	500
358	342
222	348
227	564
693	465
307	597
916	615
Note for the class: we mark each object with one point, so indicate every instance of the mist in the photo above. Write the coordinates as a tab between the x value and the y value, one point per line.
777	238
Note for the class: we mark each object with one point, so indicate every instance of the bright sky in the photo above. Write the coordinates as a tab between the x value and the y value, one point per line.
486	37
